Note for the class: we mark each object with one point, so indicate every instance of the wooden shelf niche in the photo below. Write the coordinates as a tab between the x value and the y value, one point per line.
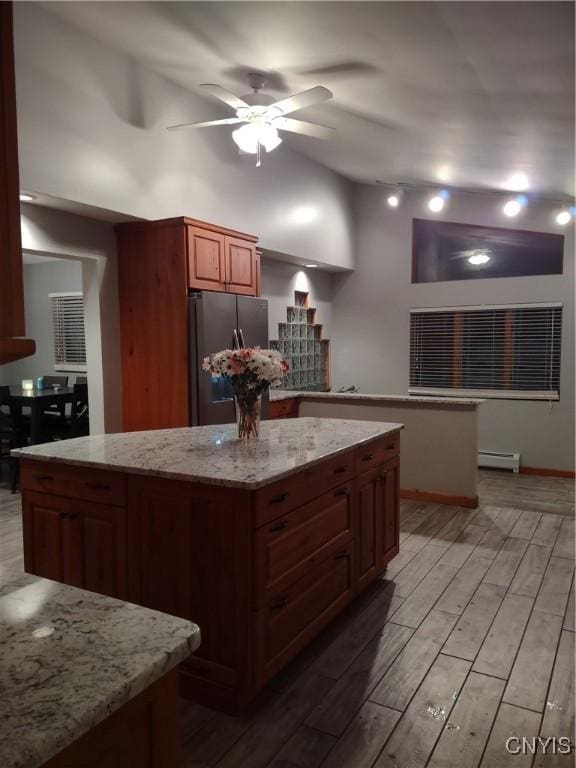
300	341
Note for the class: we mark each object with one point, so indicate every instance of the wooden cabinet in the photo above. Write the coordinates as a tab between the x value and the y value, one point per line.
241	266
206	260
144	733
378	527
12	346
159	263
261	572
76	542
283	409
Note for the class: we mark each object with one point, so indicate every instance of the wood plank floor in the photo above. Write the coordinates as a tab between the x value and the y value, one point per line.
468	639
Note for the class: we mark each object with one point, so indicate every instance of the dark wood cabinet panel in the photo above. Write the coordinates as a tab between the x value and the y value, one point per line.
75	542
294	616
191	557
144	733
12	347
369	522
153	287
283	409
390	483
288	547
241	267
206	260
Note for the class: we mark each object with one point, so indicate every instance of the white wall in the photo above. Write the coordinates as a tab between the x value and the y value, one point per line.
41	279
370	318
91	127
92	243
279	280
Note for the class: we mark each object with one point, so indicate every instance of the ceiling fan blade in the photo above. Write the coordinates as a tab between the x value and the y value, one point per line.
226	96
207	124
302	127
303	99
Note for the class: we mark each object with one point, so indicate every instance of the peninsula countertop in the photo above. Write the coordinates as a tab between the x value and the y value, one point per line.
213	454
70	658
366	397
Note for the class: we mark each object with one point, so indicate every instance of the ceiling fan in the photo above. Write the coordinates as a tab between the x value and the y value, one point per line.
262	118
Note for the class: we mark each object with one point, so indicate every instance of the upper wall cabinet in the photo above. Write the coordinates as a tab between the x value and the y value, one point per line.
12	345
221	262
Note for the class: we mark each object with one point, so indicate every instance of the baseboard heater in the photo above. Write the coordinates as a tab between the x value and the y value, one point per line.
495	460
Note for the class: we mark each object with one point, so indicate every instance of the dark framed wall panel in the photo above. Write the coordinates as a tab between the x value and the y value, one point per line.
444	251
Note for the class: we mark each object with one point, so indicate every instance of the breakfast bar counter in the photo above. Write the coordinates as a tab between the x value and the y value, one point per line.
262	543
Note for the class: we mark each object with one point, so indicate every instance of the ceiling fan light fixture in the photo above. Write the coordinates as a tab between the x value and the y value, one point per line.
249	136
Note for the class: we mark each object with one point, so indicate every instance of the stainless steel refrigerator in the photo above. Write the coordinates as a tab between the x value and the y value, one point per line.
220	321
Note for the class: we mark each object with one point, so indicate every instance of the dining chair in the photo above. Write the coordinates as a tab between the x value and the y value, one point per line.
55	410
12	435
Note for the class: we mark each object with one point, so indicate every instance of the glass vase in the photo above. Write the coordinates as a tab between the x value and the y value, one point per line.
248	411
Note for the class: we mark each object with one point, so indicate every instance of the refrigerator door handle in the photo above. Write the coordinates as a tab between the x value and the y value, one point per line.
235	342
242	345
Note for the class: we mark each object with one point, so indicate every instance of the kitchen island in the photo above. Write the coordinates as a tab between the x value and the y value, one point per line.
262	543
86	679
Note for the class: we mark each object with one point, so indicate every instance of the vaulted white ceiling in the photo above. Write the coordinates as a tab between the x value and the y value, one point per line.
462	92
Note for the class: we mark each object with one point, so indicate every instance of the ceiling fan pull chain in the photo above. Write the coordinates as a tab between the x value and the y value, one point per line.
258	155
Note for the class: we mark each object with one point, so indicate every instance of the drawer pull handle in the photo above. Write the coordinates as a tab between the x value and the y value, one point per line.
42	478
279	526
341	555
341	492
64	515
97	486
368	457
340	470
280	603
391	447
279	499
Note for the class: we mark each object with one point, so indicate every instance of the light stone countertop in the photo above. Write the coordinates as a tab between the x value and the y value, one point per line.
213	454
69	658
448	402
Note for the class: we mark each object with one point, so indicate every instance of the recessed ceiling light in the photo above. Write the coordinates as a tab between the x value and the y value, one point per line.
563	217
393	200
436	203
26	197
479	258
444	173
512	207
518	182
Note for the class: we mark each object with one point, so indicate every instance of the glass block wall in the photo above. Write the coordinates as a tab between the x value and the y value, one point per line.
300	342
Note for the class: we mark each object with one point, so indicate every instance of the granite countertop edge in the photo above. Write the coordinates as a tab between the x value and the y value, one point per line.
50	742
448	402
248	485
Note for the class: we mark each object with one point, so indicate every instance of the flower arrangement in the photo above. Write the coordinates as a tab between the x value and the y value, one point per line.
251	372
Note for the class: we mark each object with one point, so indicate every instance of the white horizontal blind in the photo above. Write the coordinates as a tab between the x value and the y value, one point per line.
69	338
498	351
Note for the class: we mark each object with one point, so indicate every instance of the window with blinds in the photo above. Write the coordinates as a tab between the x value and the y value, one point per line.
69	339
490	351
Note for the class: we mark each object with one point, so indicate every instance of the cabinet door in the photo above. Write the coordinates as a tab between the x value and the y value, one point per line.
99	534
369	531
75	542
241	268
45	542
206	269
389	544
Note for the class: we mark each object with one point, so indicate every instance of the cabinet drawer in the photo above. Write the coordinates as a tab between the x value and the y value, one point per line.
290	546
277	499
74	482
377	452
296	615
283	409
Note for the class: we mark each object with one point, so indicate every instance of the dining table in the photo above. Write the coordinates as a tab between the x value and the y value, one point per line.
38	400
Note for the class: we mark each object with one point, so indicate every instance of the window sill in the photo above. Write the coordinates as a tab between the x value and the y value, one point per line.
487	394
